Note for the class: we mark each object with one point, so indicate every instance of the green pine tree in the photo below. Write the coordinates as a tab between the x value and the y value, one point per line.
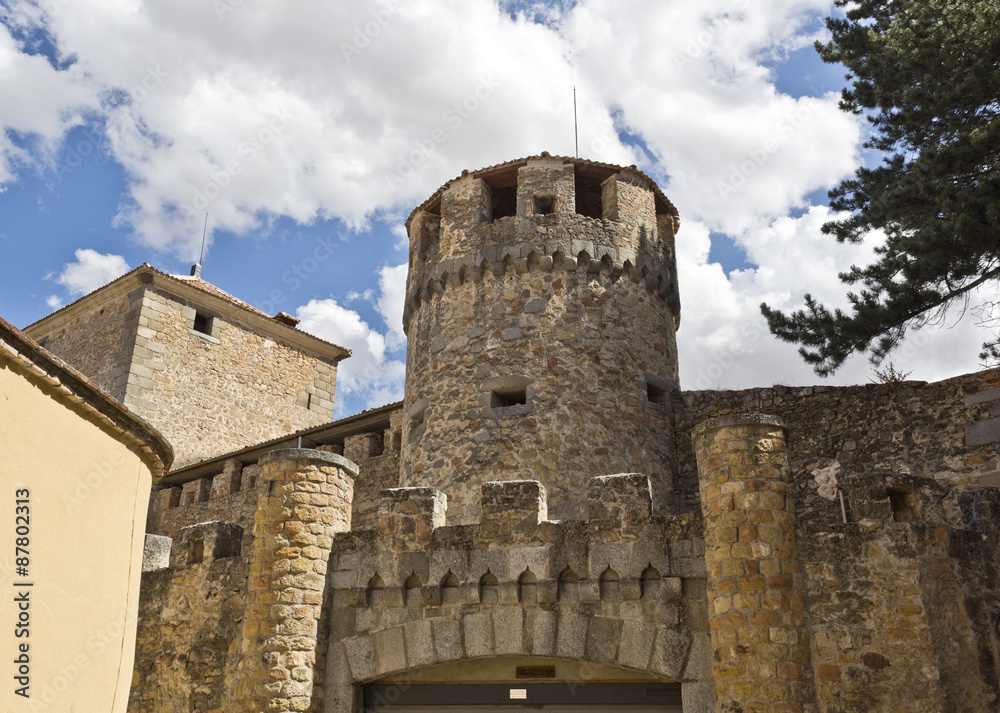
926	75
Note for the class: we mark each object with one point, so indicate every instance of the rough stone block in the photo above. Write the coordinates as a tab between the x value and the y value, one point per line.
389	651
447	639
982	433
670	652
980	509
571	638
155	553
411	513
166	499
360	656
508	624
419	644
479	634
196	491
602	639
512	507
637	644
982	397
540	631
617	502
698	696
205	542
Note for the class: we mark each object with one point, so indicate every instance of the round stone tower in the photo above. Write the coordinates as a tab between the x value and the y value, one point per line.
541	314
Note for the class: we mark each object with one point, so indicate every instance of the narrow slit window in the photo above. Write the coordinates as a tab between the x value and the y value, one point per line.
416	424
197	554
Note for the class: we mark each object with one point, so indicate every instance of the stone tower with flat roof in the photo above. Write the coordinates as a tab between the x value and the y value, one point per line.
541	314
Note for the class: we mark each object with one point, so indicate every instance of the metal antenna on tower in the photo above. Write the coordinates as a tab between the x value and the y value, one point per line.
196	269
576	128
204	234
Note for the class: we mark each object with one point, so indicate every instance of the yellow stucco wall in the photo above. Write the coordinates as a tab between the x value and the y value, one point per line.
88	499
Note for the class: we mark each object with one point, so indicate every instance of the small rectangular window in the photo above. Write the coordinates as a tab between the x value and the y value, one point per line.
656	394
901	502
202	323
197	552
511	397
545	204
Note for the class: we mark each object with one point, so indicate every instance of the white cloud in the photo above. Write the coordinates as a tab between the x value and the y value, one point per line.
53	302
90	271
360	110
392	286
724	341
40	103
368	377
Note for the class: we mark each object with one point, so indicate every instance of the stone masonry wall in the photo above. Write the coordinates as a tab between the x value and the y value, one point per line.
98	344
624	588
209	394
948	431
524	359
189	628
889	604
756	599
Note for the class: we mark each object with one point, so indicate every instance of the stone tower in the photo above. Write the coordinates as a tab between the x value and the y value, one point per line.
541	314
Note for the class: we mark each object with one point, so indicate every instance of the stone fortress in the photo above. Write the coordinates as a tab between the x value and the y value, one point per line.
547	519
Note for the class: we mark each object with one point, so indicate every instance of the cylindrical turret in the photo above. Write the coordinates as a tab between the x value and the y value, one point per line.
760	642
308	500
541	311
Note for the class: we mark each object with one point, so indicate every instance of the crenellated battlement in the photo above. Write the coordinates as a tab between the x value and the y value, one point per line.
593	258
543	213
514	546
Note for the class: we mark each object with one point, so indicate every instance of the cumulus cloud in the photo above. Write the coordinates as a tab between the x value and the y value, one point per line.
357	111
90	271
40	103
727	343
389	304
369	377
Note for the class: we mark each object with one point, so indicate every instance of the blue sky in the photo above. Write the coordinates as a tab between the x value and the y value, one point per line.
312	130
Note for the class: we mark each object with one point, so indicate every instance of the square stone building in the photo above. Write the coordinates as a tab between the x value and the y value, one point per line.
547	520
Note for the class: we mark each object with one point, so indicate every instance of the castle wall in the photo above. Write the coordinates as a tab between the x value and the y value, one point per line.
524	360
210	394
947	431
189	628
623	588
99	342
